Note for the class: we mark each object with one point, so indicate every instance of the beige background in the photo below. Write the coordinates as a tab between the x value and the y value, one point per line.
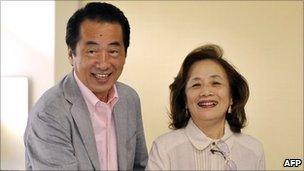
264	40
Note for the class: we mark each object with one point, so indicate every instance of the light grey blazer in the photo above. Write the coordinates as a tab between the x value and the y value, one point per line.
59	132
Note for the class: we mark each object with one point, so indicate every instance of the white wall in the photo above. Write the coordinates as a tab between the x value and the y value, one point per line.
14	91
27	43
27	49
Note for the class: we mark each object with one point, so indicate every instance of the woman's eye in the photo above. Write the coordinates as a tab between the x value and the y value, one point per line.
195	85
216	83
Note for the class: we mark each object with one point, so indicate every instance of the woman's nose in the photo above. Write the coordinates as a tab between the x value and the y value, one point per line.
206	91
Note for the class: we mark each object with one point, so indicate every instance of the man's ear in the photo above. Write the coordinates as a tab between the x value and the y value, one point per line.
70	52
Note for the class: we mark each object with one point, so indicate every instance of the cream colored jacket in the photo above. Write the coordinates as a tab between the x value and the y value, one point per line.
189	149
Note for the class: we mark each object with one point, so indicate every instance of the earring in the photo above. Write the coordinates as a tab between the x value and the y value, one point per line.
229	110
186	112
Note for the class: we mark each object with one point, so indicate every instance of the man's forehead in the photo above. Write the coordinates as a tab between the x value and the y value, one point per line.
92	23
95	30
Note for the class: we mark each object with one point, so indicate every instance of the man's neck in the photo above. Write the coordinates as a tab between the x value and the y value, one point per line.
103	97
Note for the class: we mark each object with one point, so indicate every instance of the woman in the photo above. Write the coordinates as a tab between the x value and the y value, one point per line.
207	101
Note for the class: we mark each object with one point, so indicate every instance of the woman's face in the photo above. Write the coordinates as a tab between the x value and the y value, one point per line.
207	92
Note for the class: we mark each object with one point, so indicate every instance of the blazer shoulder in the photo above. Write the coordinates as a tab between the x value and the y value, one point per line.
51	102
51	99
126	90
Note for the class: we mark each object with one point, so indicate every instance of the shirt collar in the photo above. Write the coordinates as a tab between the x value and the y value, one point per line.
200	141
113	96
91	98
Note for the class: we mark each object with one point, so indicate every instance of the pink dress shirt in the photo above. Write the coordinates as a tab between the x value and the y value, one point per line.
103	125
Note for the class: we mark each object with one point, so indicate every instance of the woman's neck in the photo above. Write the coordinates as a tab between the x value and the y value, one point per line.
212	129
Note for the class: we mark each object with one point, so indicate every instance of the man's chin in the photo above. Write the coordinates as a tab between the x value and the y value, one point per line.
102	89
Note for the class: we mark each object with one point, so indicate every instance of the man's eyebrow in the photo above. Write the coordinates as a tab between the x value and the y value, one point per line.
116	43
91	43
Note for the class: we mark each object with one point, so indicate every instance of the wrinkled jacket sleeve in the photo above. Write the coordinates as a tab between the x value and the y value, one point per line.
141	153
48	144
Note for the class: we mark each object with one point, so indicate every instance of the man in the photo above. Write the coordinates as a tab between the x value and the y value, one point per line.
89	121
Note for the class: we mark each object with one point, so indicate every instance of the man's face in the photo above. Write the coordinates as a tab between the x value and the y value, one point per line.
99	56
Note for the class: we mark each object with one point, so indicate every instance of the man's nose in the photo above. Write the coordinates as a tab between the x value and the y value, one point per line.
103	61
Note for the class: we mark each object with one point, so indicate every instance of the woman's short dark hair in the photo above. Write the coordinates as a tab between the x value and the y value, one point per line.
238	88
96	11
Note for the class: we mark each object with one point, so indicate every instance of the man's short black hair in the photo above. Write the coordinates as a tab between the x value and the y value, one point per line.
96	11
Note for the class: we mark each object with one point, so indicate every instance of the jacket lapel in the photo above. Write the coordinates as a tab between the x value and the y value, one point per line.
120	120
81	116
